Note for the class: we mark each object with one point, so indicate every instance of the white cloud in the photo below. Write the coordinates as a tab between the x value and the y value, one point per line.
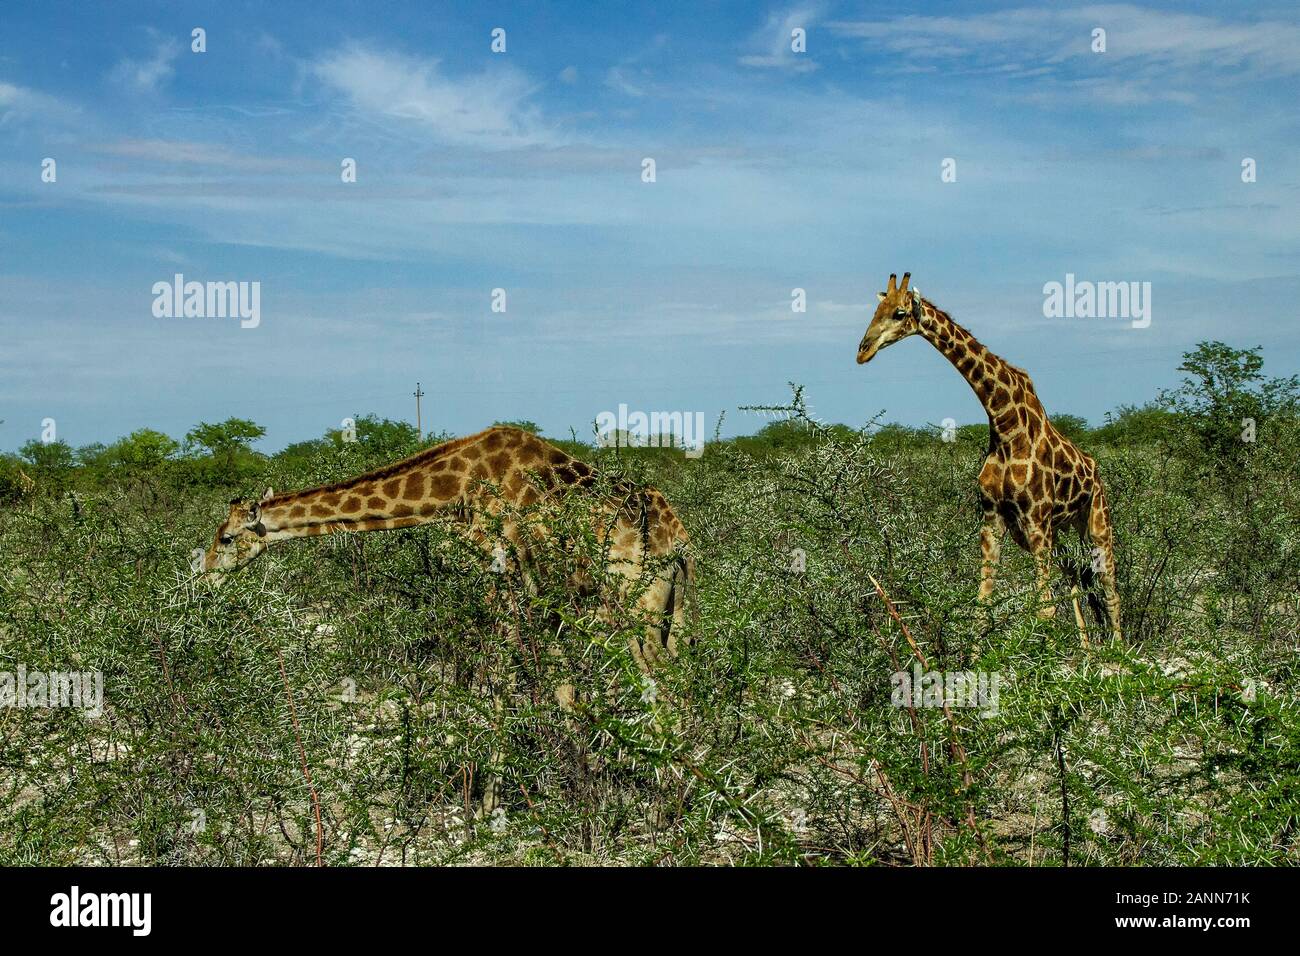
20	102
187	153
616	79
1160	38
631	76
489	109
772	42
1151	56
147	75
1190	40
569	75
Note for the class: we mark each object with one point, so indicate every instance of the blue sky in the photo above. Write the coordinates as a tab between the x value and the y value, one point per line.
522	171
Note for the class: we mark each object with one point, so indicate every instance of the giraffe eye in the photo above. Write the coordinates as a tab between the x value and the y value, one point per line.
899	313
226	539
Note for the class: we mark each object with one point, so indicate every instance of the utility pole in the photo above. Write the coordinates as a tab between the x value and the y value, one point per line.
419	427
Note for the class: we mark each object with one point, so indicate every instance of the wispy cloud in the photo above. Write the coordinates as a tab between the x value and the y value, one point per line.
1151	56
631	76
489	109
522	172
617	78
1030	35
147	75
185	153
772	43
20	103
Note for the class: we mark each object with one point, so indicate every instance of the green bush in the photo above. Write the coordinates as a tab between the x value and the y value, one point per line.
407	674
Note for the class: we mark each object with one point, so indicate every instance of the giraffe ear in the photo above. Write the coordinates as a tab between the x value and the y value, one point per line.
267	495
880	296
916	300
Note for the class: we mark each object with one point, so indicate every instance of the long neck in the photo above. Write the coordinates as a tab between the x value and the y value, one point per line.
432	486
994	381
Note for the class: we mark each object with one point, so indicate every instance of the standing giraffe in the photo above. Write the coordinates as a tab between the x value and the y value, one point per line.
1034	481
469	482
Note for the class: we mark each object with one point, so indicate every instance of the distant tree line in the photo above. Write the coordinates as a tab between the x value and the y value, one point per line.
1223	406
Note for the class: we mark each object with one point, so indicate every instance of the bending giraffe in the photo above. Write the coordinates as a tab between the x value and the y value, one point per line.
469	482
1035	481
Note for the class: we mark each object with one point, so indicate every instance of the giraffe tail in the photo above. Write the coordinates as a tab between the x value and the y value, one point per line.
1081	570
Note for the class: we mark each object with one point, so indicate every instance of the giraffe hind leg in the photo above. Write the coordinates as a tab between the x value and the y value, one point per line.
1088	585
677	636
1078	615
1074	573
1102	556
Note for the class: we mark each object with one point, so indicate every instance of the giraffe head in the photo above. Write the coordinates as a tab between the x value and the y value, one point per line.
240	539
897	316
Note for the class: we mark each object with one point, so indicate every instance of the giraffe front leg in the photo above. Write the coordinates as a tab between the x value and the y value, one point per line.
991	548
1040	545
991	533
1046	606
